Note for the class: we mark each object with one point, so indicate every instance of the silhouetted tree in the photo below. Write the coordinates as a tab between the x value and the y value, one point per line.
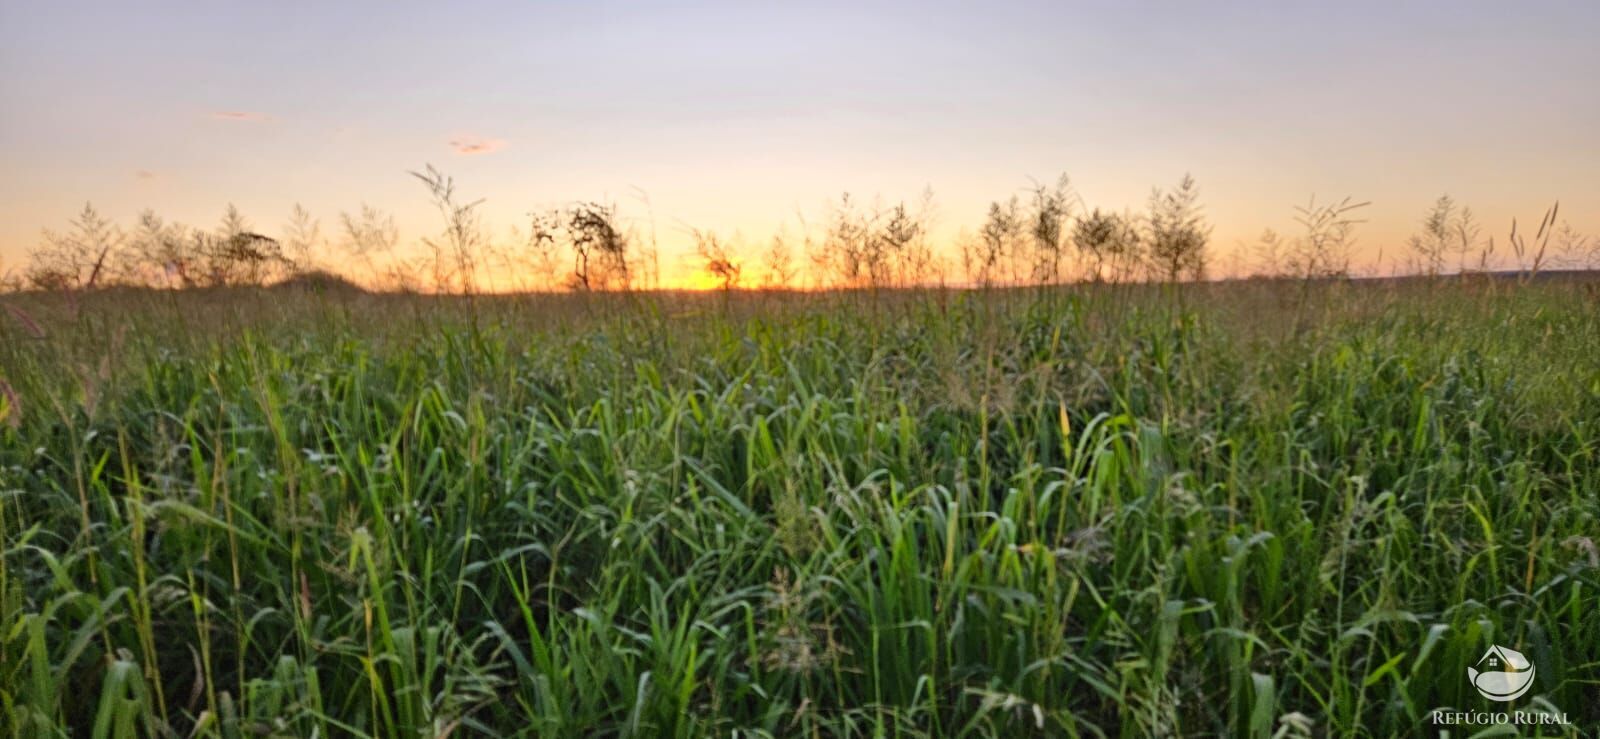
1048	213
987	256
1177	233
161	254
841	257
718	259
79	259
600	248
589	233
246	258
874	247
540	253
1108	243
898	254
235	255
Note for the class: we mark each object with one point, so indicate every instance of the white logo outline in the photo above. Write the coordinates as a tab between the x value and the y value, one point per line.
1501	684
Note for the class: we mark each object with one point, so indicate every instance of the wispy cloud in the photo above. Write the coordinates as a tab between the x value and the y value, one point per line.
239	115
469	145
144	175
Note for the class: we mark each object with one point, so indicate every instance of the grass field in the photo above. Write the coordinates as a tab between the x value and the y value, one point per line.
1245	509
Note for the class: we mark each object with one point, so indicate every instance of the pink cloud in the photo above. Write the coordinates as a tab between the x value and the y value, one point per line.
144	175
239	115
469	145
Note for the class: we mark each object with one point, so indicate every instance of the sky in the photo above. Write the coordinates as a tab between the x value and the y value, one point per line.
740	117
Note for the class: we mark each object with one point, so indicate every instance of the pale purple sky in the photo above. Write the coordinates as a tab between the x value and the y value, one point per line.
736	115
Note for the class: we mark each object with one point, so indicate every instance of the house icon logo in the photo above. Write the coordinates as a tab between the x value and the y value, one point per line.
1501	674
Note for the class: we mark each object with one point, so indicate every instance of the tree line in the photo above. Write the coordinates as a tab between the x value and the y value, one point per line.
1044	235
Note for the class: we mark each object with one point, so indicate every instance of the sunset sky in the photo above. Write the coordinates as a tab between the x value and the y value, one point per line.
738	116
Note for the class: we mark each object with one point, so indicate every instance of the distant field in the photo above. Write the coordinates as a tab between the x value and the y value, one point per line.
1241	509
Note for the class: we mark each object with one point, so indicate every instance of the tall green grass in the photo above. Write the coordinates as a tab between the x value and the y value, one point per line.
1081	514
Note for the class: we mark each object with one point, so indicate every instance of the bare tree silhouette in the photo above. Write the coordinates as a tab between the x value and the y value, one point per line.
598	247
1109	243
717	257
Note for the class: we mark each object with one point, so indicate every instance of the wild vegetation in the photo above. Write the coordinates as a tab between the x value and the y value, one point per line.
1098	510
1050	237
1043	487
